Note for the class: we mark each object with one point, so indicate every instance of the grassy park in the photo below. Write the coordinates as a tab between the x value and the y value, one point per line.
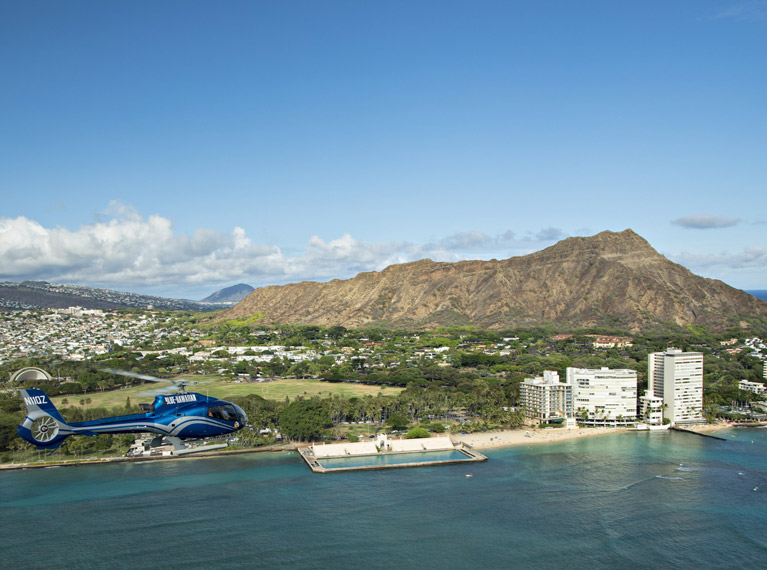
220	388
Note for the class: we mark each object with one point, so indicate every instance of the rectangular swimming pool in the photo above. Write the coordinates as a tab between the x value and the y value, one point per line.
393	459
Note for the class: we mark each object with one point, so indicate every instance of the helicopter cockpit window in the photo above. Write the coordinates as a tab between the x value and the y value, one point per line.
226	412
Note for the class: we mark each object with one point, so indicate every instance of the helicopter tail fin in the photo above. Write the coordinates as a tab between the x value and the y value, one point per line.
43	426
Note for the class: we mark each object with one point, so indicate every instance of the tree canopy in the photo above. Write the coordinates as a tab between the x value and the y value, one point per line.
305	419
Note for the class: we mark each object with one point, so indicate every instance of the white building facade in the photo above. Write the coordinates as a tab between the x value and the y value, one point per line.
677	377
755	387
604	396
545	398
652	409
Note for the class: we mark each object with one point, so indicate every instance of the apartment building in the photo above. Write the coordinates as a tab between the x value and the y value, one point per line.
546	398
677	377
604	396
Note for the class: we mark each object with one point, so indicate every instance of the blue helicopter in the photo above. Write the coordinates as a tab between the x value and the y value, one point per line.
183	415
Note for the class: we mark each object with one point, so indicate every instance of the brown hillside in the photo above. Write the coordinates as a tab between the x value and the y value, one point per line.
611	278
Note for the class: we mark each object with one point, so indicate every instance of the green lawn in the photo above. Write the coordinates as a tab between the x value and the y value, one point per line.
216	387
292	387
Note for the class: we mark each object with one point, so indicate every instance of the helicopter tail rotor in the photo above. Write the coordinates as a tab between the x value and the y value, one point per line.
43	426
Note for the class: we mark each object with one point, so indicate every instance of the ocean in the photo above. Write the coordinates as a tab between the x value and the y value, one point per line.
759	294
632	500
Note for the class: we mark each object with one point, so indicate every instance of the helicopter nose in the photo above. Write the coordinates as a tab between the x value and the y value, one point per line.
242	416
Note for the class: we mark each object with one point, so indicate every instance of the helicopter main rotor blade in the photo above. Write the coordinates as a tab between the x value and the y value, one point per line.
178	383
137	375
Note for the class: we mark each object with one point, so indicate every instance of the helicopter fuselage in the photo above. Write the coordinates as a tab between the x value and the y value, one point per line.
187	415
183	415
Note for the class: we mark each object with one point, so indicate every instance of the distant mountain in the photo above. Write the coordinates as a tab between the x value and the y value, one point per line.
759	294
232	295
43	295
610	279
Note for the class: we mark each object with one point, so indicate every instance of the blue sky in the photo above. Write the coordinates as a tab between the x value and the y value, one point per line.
176	147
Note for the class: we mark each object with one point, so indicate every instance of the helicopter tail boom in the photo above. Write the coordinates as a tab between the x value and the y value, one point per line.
43	426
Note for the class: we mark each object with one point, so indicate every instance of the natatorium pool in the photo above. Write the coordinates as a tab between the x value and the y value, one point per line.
383	460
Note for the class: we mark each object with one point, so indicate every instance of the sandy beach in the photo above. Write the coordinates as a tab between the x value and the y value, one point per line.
490	439
532	436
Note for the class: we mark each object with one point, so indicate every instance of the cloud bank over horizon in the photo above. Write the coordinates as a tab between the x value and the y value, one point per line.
125	251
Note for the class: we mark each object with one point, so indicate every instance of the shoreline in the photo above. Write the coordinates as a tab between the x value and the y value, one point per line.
112	460
537	436
479	440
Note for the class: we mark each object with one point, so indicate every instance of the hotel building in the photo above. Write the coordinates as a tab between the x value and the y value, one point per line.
677	377
603	396
545	398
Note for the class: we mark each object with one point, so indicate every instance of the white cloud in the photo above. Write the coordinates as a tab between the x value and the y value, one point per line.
128	250
749	258
466	240
705	221
123	250
550	234
344	257
750	11
474	245
745	269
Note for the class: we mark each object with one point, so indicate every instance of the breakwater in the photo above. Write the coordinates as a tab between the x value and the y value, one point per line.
684	430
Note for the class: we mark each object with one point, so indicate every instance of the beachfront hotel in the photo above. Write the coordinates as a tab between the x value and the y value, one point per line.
604	396
546	398
677	377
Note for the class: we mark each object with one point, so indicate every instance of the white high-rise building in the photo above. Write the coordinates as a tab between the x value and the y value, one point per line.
604	395
677	377
546	398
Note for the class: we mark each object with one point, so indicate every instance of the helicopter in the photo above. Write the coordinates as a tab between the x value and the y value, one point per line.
183	415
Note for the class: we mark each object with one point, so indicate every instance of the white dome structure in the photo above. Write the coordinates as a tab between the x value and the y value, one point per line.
31	374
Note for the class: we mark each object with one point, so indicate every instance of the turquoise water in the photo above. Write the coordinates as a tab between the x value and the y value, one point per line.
654	500
392	459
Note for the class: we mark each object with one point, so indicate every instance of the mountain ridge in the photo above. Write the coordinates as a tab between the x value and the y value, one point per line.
611	278
43	295
229	295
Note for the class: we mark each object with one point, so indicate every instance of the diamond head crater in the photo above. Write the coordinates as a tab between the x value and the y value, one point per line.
612	279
